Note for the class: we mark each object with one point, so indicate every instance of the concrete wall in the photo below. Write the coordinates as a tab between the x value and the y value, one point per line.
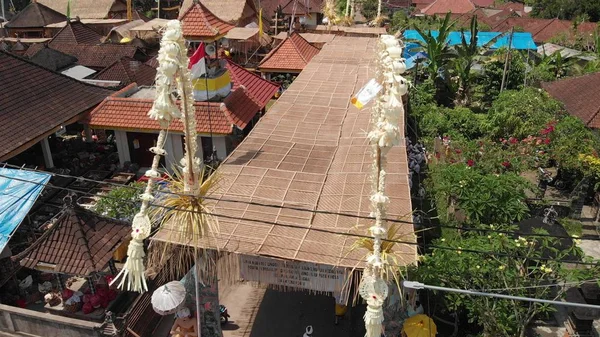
22	322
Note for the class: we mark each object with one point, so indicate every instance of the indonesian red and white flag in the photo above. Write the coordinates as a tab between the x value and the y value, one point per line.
197	63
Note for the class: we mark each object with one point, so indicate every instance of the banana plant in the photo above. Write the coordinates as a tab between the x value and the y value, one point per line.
437	48
466	54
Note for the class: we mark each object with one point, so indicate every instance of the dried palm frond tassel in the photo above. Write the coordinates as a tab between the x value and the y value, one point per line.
164	110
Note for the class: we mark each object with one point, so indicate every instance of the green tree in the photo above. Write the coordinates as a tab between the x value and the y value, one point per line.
521	113
566	9
369	9
493	71
526	267
457	123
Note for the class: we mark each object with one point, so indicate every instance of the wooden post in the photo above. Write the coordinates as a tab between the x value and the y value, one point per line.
507	59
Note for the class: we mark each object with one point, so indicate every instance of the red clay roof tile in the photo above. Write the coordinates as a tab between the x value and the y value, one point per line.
579	96
35	15
445	6
34	101
132	114
257	87
127	70
79	243
292	54
96	56
199	23
240	107
77	33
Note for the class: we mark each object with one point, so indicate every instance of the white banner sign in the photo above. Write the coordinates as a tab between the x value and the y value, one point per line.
303	275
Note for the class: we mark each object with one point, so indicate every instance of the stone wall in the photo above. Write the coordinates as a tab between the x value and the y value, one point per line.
22	322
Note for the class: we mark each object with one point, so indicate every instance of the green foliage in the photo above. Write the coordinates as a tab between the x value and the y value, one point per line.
467	52
573	227
566	10
484	198
570	139
523	272
121	202
456	122
422	94
493	70
369	9
521	113
437	48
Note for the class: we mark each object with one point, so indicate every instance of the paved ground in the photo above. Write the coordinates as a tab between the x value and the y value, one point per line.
260	312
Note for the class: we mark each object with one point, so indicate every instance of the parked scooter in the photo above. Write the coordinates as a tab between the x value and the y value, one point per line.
224	315
547	179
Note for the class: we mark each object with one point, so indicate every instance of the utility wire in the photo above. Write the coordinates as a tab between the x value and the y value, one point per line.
322	230
286	207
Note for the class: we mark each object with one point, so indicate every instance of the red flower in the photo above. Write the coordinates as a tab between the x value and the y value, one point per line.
437	155
547	141
470	163
506	164
459	151
513	140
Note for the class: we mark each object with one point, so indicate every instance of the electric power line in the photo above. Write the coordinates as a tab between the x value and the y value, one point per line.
355	235
325	212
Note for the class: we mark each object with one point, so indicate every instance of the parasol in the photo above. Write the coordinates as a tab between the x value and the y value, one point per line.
168	298
419	326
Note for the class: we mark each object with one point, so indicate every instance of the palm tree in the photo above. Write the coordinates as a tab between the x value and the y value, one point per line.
437	48
467	53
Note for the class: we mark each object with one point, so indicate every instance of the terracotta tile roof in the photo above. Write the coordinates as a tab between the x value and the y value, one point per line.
35	15
79	243
85	9
198	22
34	101
127	70
259	88
483	3
76	32
127	113
33	49
52	59
445	6
96	56
579	96
397	3
542	30
237	12
153	62
513	6
240	107
296	7
292	54
310	152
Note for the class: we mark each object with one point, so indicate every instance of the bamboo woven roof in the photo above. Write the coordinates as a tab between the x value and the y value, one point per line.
310	151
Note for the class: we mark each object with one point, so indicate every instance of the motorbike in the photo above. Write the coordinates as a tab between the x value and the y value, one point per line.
546	179
224	315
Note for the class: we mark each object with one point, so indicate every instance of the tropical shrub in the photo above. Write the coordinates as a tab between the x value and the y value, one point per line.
521	113
484	198
456	123
516	266
121	202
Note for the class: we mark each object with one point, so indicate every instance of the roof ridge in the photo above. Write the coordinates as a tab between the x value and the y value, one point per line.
296	47
250	72
79	228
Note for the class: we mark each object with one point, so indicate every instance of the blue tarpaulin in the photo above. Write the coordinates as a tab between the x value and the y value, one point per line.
18	191
521	41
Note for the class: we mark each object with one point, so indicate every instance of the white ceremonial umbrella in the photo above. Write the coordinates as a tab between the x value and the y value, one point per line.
168	298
